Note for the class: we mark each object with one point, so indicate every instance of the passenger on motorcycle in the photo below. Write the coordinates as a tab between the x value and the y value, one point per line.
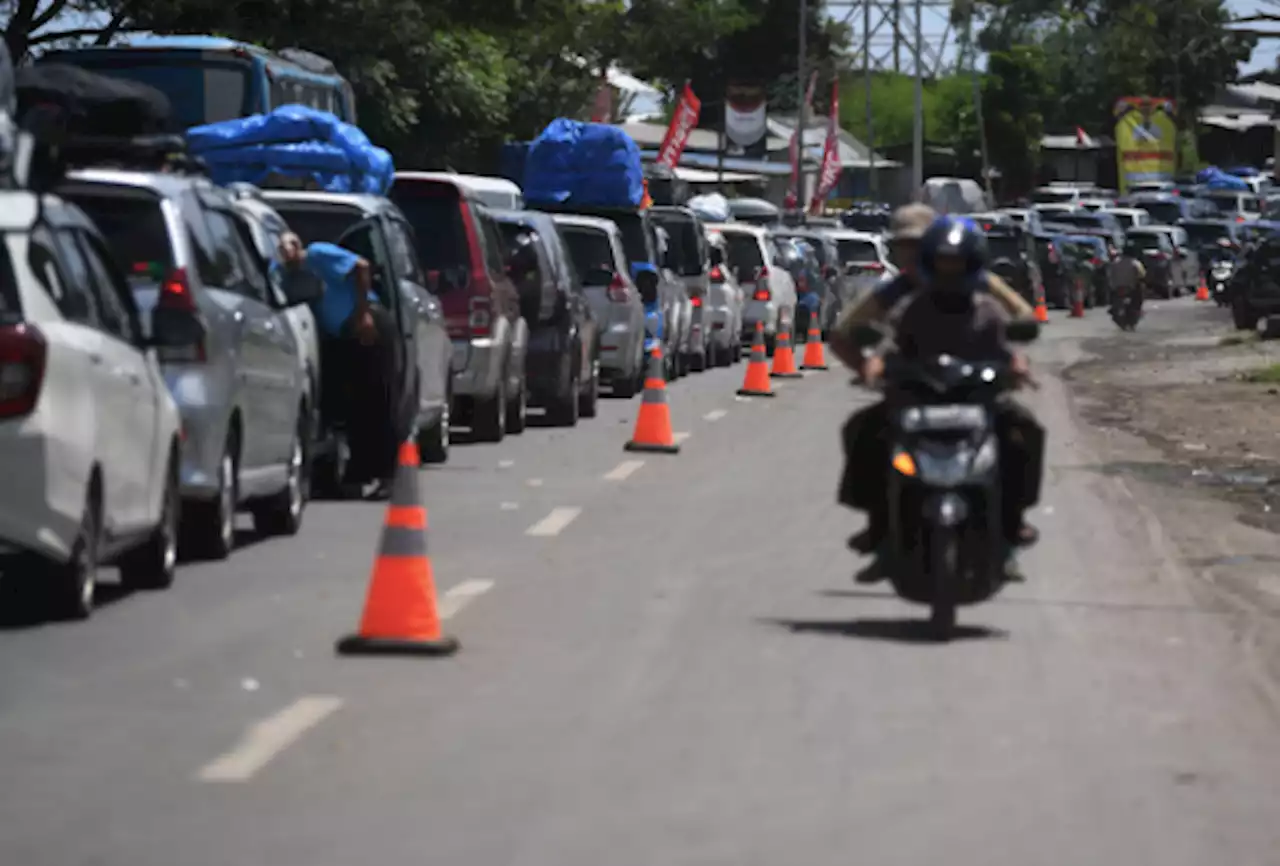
1127	276
949	314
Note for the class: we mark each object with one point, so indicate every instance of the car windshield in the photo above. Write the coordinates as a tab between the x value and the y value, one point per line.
853	250
633	239
1163	212
744	252
1143	241
134	228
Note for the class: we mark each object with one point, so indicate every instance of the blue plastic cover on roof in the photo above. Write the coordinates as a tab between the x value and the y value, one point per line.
583	164
293	141
1215	178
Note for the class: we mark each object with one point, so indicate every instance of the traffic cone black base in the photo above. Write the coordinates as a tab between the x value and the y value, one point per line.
355	645
743	392
787	375
646	447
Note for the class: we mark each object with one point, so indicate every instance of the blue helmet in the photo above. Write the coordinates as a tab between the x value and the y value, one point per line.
954	236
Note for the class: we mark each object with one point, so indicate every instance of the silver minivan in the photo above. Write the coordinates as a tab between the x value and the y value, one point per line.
688	258
242	393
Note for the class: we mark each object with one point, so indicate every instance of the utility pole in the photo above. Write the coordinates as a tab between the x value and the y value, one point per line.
801	120
873	180
917	168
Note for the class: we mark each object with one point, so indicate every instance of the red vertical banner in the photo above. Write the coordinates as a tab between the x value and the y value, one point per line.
793	191
683	121
829	175
602	108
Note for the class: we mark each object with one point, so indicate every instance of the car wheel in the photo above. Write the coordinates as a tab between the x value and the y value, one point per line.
281	514
209	527
154	564
73	583
433	444
589	403
329	472
563	410
489	418
518	409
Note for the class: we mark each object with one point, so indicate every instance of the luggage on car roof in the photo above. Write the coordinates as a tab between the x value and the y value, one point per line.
95	105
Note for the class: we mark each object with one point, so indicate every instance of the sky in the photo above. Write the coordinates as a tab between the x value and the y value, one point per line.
1264	55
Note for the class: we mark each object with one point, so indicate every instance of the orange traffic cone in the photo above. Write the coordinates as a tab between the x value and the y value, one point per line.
756	382
1042	309
1202	293
653	424
815	357
784	359
1077	300
400	615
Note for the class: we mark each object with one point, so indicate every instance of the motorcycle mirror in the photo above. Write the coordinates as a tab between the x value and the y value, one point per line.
1022	331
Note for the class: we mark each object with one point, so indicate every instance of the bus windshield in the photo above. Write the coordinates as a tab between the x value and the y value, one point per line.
200	90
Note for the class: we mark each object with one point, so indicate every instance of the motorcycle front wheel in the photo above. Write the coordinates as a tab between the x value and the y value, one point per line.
944	563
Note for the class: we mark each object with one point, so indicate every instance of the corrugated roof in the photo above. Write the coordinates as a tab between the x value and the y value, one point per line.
1257	90
1237	122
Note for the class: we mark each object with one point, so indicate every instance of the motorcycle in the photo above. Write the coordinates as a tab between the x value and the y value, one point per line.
946	545
1221	272
1126	309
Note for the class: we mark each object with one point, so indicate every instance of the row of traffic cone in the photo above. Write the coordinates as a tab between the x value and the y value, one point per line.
401	613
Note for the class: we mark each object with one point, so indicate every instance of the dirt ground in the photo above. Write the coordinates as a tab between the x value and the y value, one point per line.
1171	412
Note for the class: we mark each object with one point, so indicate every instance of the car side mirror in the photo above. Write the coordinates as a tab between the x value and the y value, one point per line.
300	287
1022	331
176	329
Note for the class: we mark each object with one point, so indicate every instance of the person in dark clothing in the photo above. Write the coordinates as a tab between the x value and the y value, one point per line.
359	357
949	314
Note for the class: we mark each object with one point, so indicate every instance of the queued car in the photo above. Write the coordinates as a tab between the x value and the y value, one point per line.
687	258
90	437
829	279
1238	205
723	309
1166	208
459	259
768	287
595	246
1186	263
1129	217
1012	254
242	390
1154	248
1102	224
561	362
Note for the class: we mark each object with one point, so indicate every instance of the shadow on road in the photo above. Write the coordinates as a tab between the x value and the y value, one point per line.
898	630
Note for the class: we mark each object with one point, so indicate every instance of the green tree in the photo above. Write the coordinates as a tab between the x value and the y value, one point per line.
1014	93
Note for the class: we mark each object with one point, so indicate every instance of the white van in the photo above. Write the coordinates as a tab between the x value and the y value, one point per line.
494	192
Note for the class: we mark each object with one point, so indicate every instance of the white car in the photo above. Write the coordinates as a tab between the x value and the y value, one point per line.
864	258
1129	217
769	289
89	435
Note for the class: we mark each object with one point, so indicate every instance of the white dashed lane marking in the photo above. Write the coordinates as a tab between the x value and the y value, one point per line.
623	470
268	738
715	415
554	523
680	437
458	597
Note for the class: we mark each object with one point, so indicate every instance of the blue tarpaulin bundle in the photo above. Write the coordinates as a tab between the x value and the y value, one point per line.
296	142
1215	178
584	165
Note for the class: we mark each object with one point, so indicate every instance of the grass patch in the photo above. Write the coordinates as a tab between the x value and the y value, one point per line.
1240	338
1265	375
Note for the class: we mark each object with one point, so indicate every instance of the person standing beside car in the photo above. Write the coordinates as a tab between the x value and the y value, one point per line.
360	332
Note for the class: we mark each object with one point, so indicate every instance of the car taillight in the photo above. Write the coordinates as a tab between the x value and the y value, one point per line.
876	267
480	317
697	302
762	273
1239	218
1096	262
176	296
618	292
761	295
717	275
23	352
1159	257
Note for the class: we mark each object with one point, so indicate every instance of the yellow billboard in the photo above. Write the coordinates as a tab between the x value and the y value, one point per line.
1146	134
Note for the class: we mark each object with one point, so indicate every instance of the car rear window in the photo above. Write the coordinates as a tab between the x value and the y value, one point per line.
1163	212
133	226
589	248
10	303
314	225
857	251
438	230
1143	241
1003	247
815	244
633	244
686	251
744	251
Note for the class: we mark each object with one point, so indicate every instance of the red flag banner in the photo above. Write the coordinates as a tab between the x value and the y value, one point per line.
793	191
683	122
829	175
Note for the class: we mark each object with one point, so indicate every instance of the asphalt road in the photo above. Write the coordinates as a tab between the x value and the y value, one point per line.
664	662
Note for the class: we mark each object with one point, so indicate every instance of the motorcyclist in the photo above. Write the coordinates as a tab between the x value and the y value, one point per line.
1127	277
947	310
907	226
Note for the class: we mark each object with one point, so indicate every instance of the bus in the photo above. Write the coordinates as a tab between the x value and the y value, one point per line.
209	79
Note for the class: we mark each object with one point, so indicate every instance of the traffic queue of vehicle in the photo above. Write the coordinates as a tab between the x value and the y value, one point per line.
163	370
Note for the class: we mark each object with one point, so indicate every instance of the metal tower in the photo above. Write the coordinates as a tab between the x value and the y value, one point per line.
885	32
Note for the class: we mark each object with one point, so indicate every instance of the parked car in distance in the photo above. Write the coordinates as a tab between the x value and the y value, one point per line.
769	288
561	363
460	251
242	390
1210	237
1011	252
1186	263
687	258
1129	217
1155	250
595	246
90	438
723	310
1050	211
1236	205
1103	224
1169	209
864	259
